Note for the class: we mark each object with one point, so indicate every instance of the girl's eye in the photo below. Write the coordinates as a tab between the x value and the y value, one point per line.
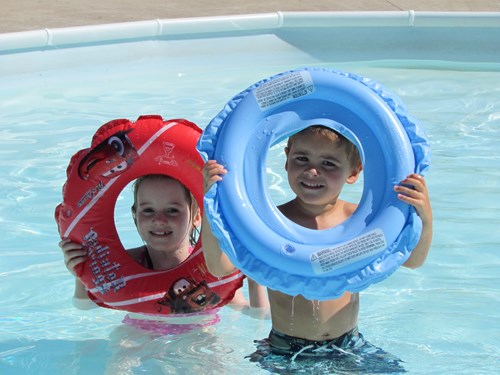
148	211
172	211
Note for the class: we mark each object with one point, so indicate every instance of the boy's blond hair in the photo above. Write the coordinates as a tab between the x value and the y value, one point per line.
352	151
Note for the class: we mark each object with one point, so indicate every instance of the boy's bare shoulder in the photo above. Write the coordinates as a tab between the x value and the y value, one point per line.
290	211
285	207
349	208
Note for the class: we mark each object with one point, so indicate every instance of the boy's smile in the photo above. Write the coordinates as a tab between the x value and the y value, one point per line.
312	185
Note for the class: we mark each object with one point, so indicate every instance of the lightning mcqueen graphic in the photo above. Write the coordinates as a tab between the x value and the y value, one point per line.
110	158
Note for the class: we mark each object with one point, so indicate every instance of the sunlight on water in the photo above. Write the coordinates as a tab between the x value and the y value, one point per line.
437	317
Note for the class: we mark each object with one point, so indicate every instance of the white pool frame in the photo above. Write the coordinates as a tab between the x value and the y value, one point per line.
338	36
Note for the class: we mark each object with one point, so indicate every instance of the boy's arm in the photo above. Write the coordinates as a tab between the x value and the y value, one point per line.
418	196
257	294
219	265
217	262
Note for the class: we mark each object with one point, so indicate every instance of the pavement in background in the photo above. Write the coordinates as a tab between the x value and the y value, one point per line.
24	15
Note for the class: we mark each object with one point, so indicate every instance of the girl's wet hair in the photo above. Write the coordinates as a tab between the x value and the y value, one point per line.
193	204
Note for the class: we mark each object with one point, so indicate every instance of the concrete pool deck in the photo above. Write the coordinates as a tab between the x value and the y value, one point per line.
25	15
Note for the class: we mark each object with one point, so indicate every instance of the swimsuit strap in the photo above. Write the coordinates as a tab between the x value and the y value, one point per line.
149	261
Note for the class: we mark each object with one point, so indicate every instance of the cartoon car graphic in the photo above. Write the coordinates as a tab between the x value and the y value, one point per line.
185	296
110	158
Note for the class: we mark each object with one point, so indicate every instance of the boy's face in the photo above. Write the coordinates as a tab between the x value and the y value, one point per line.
318	168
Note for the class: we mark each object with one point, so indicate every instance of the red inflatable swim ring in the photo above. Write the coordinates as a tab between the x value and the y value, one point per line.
122	151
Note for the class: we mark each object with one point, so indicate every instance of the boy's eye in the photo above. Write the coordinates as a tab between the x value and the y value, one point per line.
329	164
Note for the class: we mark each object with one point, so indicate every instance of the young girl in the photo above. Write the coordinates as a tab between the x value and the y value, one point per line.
167	218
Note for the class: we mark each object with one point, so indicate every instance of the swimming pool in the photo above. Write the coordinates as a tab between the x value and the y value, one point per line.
58	86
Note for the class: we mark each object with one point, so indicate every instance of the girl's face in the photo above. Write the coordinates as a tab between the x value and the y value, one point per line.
318	168
163	215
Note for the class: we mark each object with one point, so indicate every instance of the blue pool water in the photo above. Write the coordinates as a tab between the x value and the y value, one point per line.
440	319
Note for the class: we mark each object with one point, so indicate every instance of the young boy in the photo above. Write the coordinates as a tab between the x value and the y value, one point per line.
319	162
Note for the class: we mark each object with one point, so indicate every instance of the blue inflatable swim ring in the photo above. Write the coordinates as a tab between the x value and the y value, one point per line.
274	251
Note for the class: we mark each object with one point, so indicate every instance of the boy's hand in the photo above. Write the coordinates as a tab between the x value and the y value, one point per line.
413	190
418	196
74	254
212	172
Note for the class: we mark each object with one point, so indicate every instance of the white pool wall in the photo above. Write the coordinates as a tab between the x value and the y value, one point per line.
336	36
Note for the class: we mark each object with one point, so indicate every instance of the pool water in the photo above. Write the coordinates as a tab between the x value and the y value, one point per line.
440	319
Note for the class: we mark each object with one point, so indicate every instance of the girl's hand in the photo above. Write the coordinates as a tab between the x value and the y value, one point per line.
413	190
212	172
74	254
